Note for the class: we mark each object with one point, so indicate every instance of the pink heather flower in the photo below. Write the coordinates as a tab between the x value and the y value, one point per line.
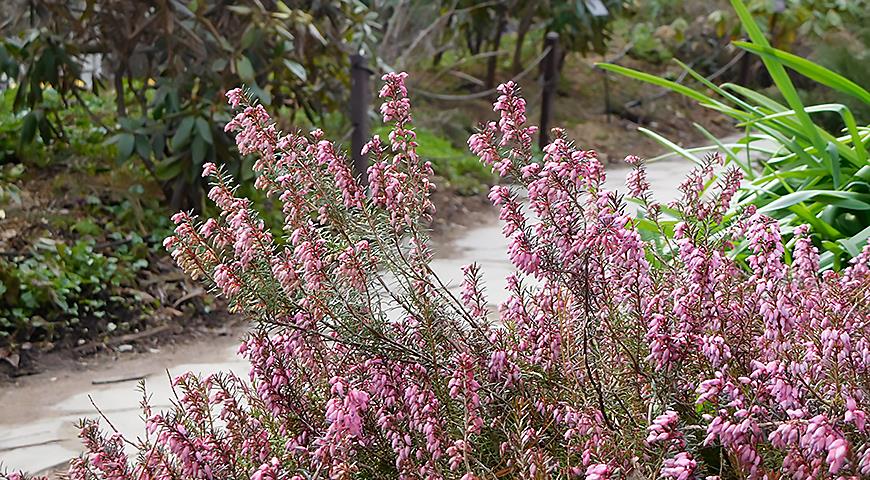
633	160
728	184
598	471
362	363
352	264
267	471
806	255
208	228
463	385
208	169
472	291
226	280
396	106
864	462
664	429
637	183
680	467
373	147
523	255
484	145
235	97
836	457
351	192
170	242
457	453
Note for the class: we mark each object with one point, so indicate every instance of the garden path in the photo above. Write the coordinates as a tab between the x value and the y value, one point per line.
37	431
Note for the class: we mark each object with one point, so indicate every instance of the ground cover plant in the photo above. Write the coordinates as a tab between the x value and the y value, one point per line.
608	360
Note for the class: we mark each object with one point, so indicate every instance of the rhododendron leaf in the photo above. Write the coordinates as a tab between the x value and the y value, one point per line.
245	69
143	148
182	134
197	151
203	128
297	69
158	145
126	143
28	128
169	168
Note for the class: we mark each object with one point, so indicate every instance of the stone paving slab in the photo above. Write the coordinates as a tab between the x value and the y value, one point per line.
53	439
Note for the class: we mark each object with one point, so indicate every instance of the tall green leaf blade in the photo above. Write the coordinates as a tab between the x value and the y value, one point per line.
670	145
670	85
777	72
810	70
852	200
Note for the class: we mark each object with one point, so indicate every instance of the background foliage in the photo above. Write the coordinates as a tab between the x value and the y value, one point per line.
166	63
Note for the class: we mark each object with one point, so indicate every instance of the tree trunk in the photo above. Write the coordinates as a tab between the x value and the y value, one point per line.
120	103
522	30
492	62
436	59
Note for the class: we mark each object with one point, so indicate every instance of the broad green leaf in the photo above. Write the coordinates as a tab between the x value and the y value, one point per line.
296	68
219	65
245	69
760	99
819	226
158	145
182	134
204	130
198	150
707	83
169	168
263	95
833	159
860	157
856	243
28	128
126	142
143	147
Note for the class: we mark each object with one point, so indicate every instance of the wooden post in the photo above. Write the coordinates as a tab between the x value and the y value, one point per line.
607	107
360	100
551	80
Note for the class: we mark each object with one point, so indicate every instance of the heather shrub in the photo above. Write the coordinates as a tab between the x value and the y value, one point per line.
612	357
